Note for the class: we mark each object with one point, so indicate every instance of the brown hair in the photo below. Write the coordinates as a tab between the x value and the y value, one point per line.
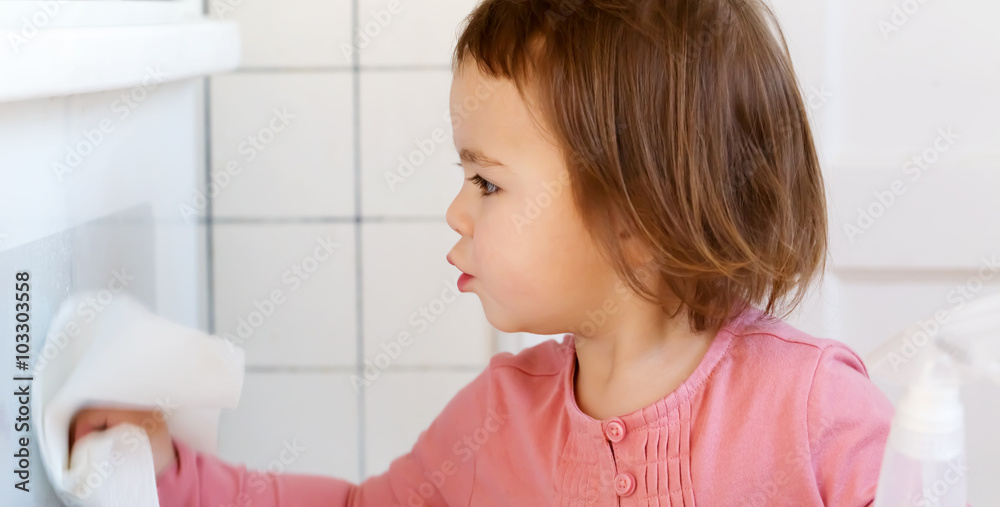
682	123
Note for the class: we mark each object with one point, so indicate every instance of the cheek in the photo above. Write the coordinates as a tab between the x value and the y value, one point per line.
534	253
503	251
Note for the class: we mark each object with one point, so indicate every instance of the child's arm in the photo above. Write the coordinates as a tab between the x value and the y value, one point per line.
431	474
848	421
204	480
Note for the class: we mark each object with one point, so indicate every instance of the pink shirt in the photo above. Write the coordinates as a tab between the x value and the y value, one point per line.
770	416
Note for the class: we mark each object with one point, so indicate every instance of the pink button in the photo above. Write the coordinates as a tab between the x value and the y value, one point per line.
624	484
615	430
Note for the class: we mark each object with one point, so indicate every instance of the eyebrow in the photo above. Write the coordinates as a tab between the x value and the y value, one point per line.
477	157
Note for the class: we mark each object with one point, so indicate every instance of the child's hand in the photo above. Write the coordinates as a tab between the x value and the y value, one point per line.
98	419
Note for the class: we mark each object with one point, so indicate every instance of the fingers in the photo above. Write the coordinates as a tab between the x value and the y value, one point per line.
86	421
97	419
153	422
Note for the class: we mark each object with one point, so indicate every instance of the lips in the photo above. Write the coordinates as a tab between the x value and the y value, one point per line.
462	280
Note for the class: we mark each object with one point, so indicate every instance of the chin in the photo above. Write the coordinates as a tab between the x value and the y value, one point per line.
503	326
517	318
500	320
509	324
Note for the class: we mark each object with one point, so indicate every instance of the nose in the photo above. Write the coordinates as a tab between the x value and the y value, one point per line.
458	216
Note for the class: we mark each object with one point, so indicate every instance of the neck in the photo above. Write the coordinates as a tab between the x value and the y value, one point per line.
636	359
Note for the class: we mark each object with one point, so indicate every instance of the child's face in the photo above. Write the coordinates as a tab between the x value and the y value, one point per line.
534	266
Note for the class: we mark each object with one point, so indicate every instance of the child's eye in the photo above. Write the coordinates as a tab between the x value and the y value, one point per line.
486	186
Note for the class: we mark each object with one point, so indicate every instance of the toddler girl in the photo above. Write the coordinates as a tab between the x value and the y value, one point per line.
641	176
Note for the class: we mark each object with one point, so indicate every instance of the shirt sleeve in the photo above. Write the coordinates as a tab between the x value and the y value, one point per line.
432	474
848	422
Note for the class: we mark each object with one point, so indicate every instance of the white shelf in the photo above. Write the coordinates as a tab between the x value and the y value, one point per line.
65	61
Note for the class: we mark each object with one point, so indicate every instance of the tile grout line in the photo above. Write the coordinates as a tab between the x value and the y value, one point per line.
330	219
209	223
338	68
355	66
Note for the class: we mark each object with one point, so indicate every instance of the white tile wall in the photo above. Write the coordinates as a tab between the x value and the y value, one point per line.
901	84
402	404
409	32
282	145
409	287
324	174
283	409
313	321
408	156
902	299
290	33
943	220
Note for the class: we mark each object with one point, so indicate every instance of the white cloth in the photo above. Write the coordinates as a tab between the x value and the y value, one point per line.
119	354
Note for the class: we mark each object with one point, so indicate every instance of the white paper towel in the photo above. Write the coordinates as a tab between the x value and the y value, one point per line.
112	467
118	354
